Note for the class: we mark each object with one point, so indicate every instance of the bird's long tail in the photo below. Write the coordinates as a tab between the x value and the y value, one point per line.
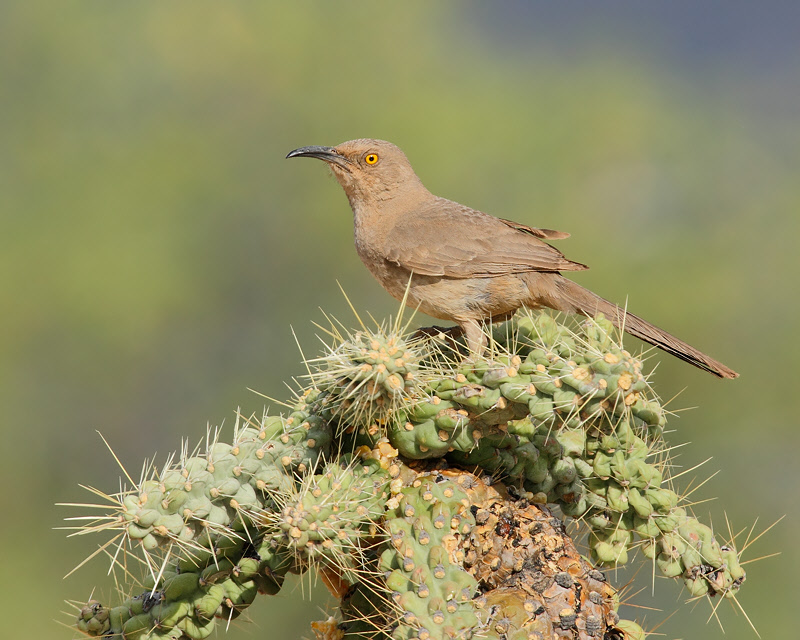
581	300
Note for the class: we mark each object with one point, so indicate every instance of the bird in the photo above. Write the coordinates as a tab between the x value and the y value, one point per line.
459	264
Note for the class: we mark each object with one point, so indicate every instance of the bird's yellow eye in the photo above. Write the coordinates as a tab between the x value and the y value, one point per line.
371	158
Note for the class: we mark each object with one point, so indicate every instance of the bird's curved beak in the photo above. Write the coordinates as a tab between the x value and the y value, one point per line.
328	154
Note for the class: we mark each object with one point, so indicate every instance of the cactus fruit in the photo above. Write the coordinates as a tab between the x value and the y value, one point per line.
415	482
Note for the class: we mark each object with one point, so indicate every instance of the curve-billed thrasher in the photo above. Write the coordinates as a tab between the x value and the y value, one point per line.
467	266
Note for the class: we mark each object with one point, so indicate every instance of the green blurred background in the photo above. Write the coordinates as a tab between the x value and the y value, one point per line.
156	246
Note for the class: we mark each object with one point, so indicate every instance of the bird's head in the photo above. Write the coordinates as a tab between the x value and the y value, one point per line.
367	169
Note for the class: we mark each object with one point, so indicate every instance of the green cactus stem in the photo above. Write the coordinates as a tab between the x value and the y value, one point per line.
425	566
331	516
189	595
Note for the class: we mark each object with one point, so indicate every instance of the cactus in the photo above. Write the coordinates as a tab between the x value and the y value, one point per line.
415	482
204	498
528	591
424	564
331	516
364	379
186	602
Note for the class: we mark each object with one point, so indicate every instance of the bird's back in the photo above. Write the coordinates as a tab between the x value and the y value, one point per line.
440	237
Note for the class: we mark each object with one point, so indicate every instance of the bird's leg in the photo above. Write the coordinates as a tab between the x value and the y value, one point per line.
471	329
476	338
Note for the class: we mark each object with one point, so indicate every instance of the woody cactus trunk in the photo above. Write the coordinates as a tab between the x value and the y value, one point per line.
424	488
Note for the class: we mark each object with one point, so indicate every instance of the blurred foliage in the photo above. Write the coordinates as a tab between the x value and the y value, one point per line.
155	247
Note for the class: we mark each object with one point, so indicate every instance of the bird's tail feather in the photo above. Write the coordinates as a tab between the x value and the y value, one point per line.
590	304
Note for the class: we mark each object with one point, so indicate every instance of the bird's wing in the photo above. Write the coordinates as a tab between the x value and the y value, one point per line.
547	234
447	239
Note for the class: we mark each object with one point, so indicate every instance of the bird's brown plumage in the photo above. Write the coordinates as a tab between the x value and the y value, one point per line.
494	246
459	264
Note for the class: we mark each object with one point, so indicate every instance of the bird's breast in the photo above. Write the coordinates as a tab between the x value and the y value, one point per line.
370	231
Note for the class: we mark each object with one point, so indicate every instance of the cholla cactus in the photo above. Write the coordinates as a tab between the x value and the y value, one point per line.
416	482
